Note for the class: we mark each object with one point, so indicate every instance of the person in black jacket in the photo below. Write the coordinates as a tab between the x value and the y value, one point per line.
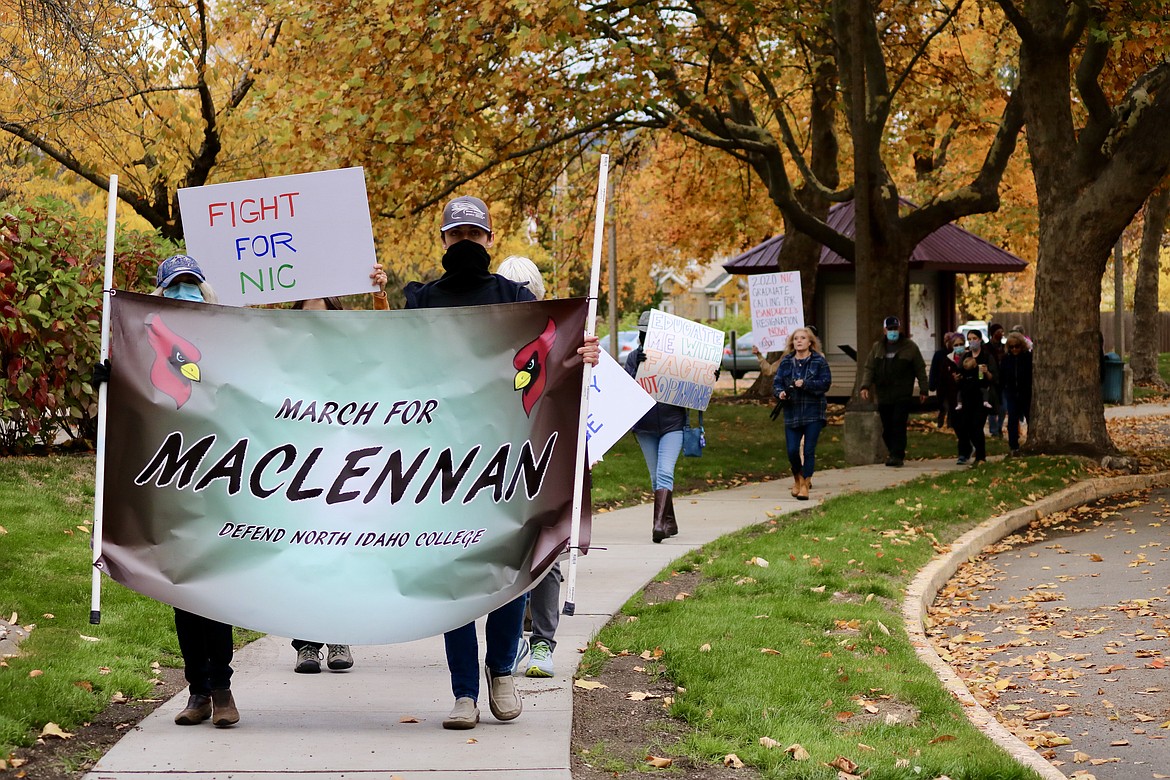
978	373
466	234
1015	381
660	435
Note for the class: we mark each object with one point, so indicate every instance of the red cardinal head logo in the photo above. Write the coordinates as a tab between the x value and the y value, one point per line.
530	364
176	361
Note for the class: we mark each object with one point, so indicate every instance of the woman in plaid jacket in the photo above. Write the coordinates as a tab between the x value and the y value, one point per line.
802	380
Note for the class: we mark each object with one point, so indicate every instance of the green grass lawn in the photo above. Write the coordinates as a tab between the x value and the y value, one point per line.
811	649
67	669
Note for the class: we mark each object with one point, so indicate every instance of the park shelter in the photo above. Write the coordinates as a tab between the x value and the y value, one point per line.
934	264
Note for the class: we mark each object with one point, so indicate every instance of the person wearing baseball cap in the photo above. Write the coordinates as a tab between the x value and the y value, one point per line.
180	277
466	235
893	364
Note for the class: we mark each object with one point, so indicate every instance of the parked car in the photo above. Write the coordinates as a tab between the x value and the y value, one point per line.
744	360
627	343
970	325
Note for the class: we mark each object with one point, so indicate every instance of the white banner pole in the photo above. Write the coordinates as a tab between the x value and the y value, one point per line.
95	599
579	482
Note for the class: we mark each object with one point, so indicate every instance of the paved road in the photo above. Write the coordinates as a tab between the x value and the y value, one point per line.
1063	634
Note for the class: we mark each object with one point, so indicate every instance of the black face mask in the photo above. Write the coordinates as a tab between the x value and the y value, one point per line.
466	257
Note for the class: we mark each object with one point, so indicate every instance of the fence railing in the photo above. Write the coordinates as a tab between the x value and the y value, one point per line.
1008	319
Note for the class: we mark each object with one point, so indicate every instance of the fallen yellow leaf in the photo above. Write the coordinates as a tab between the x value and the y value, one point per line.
659	762
733	761
769	743
797	752
53	730
589	685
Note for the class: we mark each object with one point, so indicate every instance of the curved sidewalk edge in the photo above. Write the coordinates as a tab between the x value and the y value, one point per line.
926	585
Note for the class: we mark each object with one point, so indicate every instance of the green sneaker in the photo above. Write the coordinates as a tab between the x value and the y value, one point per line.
541	662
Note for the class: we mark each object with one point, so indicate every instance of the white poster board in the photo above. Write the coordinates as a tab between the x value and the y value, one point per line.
681	358
616	402
285	238
777	308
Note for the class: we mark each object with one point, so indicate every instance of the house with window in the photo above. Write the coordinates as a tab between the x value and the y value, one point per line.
702	293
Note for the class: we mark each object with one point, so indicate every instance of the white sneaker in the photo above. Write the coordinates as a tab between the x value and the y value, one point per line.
541	664
522	651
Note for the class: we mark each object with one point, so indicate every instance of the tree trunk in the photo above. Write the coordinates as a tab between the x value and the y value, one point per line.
1144	356
1067	413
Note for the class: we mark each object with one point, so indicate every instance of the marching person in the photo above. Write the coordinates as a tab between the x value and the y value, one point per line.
337	657
894	362
466	236
205	644
660	435
802	379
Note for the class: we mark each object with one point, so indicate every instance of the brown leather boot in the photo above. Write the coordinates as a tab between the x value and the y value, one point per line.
802	492
659	532
668	515
224	712
796	480
198	710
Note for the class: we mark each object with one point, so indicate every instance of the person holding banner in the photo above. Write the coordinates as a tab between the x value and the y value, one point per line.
205	644
466	236
338	657
660	435
802	379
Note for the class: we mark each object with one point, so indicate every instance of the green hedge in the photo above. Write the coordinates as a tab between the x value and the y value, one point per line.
51	269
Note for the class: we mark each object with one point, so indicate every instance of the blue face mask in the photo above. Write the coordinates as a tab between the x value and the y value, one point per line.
184	291
891	335
959	349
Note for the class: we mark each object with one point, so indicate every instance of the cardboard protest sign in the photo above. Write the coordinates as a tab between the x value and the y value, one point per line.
777	308
681	358
260	461
285	238
616	402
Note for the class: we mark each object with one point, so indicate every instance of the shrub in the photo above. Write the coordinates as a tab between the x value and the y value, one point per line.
51	274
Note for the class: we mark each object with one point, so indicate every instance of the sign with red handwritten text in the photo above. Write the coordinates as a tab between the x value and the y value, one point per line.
284	238
681	359
777	308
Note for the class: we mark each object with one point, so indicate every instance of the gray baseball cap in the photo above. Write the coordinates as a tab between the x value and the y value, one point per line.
466	210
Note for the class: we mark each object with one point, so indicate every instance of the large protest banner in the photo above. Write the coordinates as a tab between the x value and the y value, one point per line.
284	238
777	308
263	461
681	358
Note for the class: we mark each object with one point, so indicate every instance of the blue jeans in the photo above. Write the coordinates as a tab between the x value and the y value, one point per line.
810	432
505	626
661	453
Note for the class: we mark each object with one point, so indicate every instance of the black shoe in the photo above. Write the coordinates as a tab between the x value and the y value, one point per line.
898	462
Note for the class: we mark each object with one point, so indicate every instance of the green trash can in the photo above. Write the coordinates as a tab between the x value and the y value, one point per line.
1112	378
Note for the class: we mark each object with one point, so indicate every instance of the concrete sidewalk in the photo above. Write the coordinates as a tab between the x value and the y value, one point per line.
351	724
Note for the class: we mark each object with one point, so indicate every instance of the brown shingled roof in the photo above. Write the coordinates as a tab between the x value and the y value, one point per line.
950	248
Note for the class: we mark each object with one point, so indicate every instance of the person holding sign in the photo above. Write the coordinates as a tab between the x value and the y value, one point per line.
338	657
893	364
466	236
802	379
660	435
205	644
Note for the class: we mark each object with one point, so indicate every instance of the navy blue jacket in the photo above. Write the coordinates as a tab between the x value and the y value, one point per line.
662	418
